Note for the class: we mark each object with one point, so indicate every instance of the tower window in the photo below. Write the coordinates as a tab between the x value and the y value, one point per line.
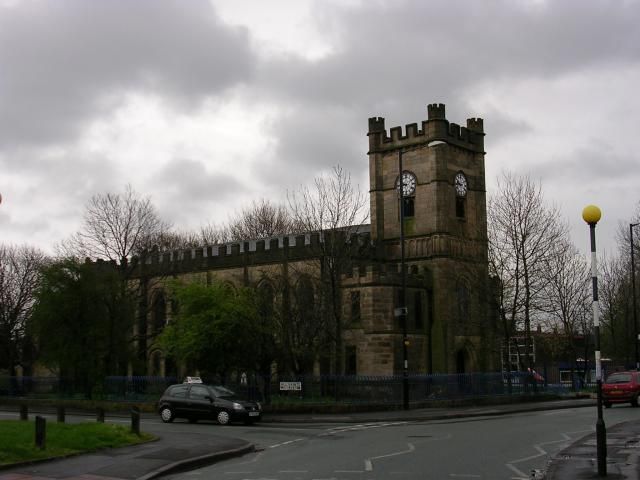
460	207
409	209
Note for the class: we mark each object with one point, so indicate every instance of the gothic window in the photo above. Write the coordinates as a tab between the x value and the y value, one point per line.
350	360
355	306
305	296
266	298
158	312
460	207
409	207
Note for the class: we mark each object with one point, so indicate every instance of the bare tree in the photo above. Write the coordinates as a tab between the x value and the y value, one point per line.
262	220
622	278
117	226
524	232
614	293
336	209
19	275
566	300
211	234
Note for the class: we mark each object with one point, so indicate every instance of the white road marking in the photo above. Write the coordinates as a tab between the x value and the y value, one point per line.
286	443
368	465
541	452
363	426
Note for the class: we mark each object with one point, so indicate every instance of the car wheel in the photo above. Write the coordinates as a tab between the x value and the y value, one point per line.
193	420
634	401
223	417
166	414
249	421
607	405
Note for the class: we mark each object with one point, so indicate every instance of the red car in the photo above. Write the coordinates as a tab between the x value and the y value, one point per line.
621	387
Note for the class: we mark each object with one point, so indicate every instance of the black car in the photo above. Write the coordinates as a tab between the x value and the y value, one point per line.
195	401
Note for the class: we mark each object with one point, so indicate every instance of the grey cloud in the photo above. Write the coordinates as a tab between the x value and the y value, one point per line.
313	141
592	160
67	61
186	189
440	48
391	59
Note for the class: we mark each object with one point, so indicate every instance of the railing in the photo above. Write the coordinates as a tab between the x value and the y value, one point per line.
304	390
136	388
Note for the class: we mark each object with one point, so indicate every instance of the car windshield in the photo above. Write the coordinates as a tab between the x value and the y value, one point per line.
619	378
222	391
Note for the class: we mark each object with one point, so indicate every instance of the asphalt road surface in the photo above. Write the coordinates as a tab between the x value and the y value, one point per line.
505	447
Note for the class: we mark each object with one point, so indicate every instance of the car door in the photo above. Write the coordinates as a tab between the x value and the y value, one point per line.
199	401
177	400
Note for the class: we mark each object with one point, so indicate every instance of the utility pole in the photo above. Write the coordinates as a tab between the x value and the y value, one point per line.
403	291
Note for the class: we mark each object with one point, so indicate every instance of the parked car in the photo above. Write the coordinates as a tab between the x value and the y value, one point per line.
195	401
621	387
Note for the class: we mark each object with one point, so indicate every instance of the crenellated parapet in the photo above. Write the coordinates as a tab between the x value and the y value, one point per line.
288	248
435	129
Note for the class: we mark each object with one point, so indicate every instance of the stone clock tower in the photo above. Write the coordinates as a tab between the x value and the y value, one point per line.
445	232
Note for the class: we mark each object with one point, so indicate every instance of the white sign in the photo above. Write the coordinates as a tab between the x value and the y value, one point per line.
290	385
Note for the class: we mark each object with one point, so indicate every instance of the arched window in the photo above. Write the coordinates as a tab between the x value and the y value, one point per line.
305	295
266	299
158	312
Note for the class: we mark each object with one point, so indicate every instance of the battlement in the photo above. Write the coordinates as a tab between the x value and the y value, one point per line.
287	248
436	110
435	128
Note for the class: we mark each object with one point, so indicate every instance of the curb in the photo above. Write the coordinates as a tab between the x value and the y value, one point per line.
200	461
423	418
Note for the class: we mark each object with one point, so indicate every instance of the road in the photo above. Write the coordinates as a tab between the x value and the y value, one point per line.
505	447
495	447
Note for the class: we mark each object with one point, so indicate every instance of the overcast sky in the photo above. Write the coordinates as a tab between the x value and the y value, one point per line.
206	105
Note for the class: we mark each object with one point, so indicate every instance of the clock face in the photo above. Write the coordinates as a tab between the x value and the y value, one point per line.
460	184
408	183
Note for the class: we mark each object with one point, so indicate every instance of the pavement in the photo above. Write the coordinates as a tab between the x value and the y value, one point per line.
182	451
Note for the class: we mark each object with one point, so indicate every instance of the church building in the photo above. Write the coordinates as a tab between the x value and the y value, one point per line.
428	213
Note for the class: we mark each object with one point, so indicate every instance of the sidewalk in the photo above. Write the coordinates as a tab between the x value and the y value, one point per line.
181	451
579	461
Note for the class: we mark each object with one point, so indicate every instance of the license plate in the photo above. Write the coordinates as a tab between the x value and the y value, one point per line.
616	392
254	414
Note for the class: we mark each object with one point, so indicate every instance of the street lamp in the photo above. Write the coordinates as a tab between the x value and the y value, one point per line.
633	293
591	214
402	310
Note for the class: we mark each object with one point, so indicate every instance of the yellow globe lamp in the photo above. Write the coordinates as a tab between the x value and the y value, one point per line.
591	214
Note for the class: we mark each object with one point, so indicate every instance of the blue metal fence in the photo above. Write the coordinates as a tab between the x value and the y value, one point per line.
308	389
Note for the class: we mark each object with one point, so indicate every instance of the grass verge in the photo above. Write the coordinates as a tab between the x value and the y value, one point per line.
17	439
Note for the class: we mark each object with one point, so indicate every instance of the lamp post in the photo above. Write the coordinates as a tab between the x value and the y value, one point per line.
591	214
402	310
633	294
